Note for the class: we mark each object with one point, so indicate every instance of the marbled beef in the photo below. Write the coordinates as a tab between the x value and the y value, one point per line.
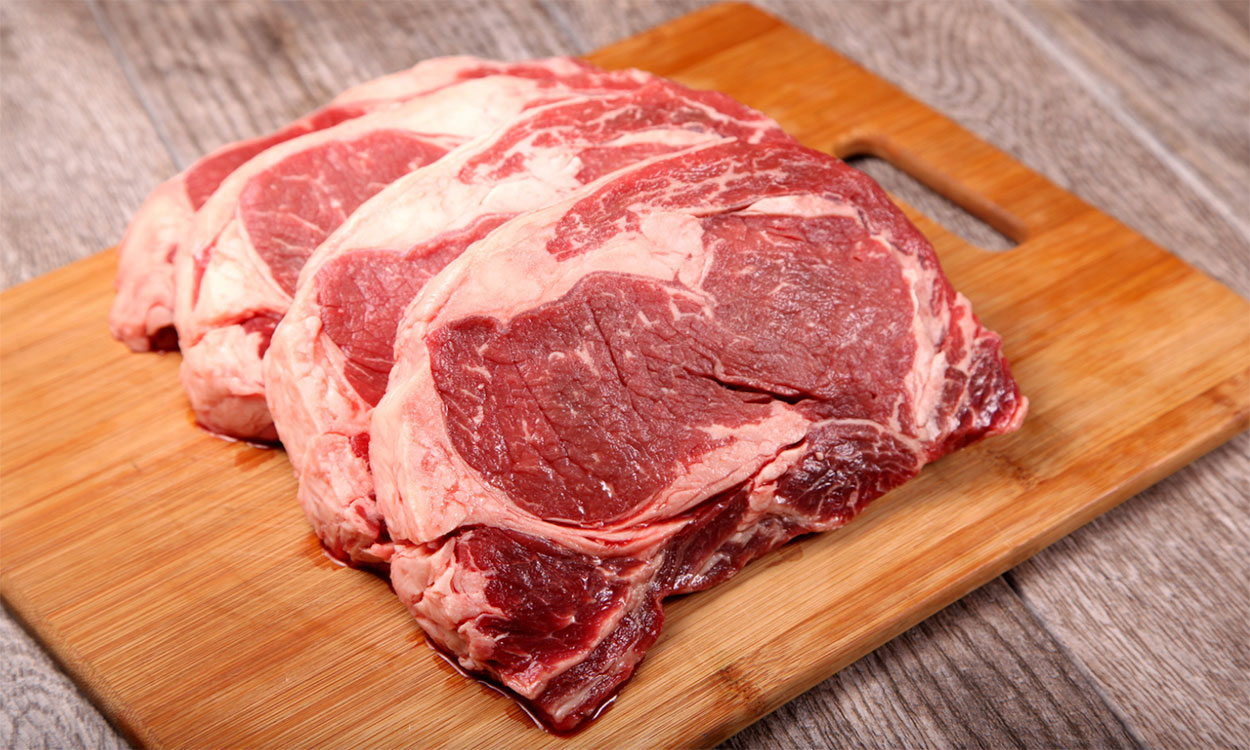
328	362
235	275
142	315
636	391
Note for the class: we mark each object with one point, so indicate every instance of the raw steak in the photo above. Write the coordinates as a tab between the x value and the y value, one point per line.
329	359
237	272
143	310
636	391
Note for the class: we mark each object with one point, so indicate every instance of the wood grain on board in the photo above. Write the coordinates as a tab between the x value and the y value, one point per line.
902	40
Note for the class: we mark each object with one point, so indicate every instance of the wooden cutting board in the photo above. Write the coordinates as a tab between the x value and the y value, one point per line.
174	577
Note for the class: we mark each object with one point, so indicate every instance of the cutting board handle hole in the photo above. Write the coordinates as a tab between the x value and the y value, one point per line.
958	213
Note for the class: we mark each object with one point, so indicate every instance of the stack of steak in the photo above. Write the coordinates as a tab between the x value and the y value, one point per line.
546	344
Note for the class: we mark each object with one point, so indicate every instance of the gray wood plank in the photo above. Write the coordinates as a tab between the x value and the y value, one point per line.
1182	71
1153	600
79	152
980	673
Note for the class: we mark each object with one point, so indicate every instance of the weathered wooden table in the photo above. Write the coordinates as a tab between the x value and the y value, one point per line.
1132	631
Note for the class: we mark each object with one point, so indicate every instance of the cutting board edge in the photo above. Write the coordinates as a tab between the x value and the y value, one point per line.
1236	423
96	687
93	685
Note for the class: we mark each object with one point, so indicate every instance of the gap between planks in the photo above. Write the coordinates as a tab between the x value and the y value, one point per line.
1071	657
128	72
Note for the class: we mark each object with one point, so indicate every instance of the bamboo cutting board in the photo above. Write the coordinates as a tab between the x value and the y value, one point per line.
175	578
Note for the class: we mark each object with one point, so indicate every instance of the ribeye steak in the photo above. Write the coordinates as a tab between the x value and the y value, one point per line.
237	271
634	392
328	362
143	310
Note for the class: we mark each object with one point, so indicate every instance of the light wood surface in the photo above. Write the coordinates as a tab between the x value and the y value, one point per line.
940	705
